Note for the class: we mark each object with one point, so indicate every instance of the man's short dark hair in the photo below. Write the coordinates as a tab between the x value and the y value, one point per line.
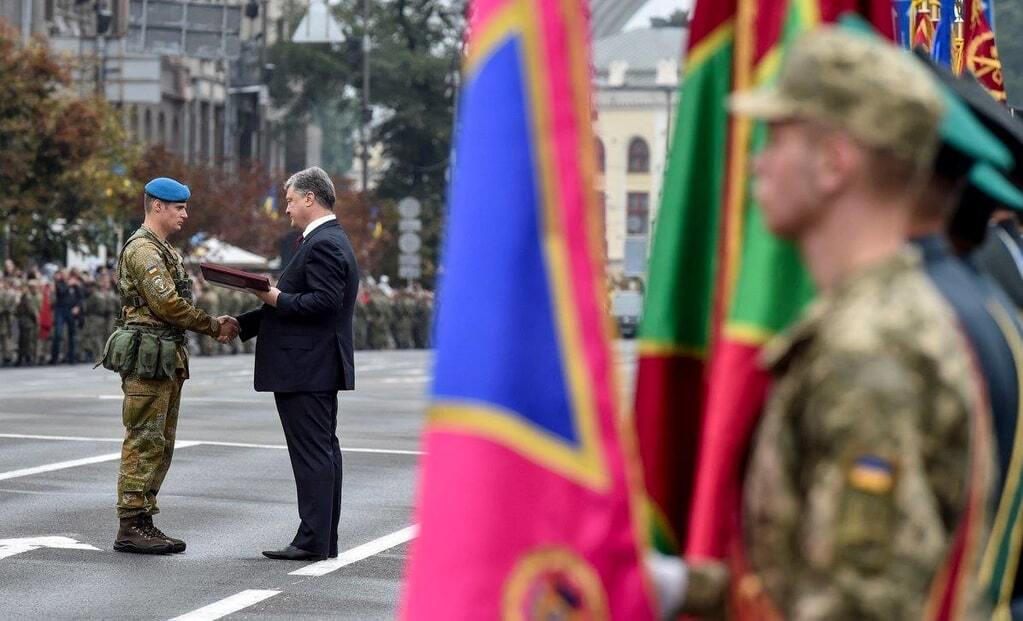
314	180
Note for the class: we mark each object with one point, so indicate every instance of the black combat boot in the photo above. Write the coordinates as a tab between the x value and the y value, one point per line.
133	536
178	545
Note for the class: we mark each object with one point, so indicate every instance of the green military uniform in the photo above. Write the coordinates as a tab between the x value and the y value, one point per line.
209	301
404	307
111	308
94	333
8	303
381	318
859	472
28	325
156	292
360	324
423	315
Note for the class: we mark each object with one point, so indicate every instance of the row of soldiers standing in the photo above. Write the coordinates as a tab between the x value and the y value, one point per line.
27	319
384	318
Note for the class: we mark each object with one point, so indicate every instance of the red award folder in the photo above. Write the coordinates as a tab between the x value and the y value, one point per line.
228	277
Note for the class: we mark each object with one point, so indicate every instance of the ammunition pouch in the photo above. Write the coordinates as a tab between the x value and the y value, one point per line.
143	351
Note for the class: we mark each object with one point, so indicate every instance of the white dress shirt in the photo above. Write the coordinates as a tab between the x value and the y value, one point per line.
315	223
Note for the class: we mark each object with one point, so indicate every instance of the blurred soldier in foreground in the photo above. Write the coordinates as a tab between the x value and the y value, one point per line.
148	351
875	446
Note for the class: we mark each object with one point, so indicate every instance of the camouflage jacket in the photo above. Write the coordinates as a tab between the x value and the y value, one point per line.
858	476
156	289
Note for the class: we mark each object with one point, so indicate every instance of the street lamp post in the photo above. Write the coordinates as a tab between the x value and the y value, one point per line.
364	121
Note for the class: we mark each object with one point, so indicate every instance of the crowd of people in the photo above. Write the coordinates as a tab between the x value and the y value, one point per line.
55	315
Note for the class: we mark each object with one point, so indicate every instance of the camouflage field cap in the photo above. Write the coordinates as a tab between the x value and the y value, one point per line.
874	91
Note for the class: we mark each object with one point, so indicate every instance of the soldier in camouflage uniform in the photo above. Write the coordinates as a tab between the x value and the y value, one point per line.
157	300
404	307
8	302
111	304
875	451
27	313
360	321
208	299
381	319
94	334
423	316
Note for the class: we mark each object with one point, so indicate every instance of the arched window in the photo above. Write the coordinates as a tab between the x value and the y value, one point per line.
600	154
149	126
161	128
639	156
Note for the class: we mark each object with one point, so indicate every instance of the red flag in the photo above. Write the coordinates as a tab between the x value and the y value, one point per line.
980	55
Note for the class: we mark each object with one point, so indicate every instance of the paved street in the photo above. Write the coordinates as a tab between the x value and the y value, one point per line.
229	494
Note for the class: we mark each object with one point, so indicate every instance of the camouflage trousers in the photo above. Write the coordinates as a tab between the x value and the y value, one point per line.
150	417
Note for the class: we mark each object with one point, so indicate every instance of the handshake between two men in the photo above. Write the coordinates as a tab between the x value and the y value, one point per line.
230	328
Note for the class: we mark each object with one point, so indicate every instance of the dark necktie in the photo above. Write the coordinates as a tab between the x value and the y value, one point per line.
298	242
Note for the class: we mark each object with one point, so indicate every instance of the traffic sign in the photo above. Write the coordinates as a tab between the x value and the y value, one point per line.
409	207
409	243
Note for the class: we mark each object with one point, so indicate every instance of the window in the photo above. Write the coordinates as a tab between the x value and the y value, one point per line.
639	156
637	213
600	155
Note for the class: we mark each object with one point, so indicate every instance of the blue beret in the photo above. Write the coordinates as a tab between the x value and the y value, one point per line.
167	189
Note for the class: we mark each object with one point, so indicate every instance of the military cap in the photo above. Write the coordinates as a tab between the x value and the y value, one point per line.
167	189
996	187
961	129
995	117
867	87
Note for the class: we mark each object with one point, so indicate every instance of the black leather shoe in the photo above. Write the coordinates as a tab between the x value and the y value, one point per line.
291	553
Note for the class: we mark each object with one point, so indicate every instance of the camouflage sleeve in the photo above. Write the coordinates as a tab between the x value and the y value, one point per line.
874	526
156	286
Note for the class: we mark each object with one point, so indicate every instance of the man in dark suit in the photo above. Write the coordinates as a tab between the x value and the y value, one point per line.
304	356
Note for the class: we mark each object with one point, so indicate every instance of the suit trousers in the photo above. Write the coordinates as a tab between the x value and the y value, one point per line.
310	421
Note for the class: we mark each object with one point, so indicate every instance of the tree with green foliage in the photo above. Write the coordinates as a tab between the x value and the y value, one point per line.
415	58
63	158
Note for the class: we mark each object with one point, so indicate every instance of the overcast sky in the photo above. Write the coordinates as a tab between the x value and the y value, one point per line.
656	8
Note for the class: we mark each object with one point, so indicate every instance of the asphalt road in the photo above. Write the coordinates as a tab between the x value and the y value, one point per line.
230	495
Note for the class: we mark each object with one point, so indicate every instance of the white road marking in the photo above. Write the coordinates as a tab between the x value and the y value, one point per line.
74	463
10	547
226	606
356	554
184	443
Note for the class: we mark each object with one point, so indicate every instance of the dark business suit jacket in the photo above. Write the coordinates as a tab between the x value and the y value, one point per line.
305	343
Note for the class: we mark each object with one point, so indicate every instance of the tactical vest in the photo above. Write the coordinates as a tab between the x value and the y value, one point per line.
129	292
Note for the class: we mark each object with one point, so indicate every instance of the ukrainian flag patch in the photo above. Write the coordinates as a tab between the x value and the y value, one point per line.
870	473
